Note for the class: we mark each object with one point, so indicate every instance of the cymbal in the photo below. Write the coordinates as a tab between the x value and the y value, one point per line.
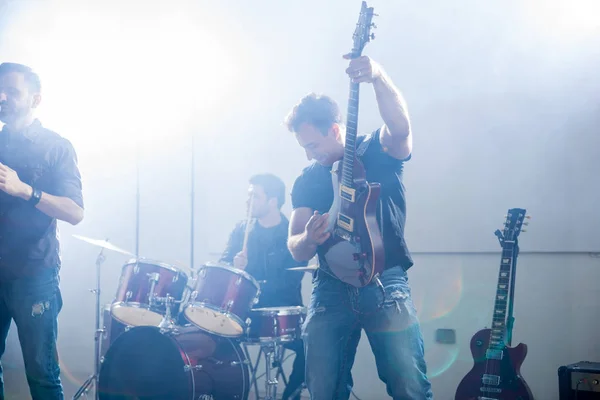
308	268
104	244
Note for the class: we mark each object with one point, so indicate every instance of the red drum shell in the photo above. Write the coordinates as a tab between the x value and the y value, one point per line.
282	324
221	300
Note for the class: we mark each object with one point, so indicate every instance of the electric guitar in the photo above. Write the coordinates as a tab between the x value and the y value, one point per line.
496	370
354	251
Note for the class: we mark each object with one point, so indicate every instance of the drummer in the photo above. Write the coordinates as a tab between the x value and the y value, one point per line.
259	246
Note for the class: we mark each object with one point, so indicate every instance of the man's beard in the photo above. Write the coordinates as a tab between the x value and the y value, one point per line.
10	115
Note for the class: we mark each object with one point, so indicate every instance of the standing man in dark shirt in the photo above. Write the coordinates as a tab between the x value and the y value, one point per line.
267	258
39	184
338	312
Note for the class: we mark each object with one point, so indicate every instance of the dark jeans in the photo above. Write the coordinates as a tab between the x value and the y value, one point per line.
296	378
337	314
34	304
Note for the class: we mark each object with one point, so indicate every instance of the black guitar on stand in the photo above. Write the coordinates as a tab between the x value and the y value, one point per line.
354	252
496	371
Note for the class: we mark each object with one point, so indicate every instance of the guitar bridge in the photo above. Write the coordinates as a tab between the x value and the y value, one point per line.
342	233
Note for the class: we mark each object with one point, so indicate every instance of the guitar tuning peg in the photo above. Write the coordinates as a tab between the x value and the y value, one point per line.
525	223
523	230
528	216
372	36
373	25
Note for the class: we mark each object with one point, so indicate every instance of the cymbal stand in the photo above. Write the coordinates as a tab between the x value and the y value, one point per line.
93	379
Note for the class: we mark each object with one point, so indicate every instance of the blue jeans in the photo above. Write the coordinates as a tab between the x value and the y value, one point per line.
34	304
337	314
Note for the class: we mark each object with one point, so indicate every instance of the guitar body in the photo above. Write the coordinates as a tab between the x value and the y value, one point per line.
512	386
354	252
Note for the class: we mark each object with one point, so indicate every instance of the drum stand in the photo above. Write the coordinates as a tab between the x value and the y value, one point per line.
93	379
271	351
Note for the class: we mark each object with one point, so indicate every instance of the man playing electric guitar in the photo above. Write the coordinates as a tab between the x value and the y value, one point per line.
383	308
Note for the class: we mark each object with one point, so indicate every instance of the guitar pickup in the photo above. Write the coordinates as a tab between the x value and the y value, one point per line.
493	354
491	379
347	193
345	222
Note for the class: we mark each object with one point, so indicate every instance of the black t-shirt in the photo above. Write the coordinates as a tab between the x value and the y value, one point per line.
28	237
268	262
314	189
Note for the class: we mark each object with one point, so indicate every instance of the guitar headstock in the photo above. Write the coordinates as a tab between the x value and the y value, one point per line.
513	225
362	34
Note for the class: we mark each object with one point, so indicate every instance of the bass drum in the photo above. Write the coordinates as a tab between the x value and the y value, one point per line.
182	364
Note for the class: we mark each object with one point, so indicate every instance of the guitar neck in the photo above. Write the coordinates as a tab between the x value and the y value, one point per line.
504	296
350	141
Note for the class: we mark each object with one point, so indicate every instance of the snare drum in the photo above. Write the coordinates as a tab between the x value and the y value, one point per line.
221	300
143	287
280	324
184	363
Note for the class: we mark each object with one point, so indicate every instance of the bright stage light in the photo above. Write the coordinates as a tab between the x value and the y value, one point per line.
111	73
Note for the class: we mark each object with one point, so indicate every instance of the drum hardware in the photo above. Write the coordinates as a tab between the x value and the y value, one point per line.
187	368
153	279
98	332
168	322
271	350
234	363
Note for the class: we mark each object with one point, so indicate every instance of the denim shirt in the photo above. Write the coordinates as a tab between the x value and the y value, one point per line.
28	237
268	261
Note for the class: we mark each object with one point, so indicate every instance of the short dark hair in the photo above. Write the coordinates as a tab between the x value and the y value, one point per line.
31	78
272	185
319	110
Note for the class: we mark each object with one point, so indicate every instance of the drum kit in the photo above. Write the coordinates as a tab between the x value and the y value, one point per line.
172	334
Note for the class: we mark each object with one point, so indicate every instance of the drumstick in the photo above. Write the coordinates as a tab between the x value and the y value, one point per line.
248	223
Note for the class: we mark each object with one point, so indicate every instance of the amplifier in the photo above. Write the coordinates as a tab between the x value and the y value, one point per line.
579	381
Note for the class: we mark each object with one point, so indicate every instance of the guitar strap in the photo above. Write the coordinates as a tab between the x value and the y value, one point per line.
360	150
